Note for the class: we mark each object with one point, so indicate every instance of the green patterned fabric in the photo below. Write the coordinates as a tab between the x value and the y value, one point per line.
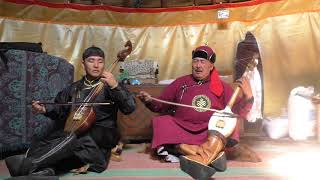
27	76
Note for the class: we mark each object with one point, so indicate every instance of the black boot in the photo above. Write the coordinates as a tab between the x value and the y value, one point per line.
14	164
220	163
209	159
200	171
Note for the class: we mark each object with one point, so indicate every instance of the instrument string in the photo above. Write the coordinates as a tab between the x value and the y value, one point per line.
194	107
80	110
75	125
221	112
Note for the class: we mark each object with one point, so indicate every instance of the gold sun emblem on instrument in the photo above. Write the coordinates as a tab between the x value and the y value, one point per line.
77	116
220	124
201	101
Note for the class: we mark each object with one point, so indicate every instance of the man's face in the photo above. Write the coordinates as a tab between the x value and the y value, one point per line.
201	68
94	66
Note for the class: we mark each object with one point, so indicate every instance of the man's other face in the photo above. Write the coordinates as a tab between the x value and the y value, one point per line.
201	68
94	66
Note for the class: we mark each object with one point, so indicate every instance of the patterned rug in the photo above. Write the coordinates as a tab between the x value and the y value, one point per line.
138	164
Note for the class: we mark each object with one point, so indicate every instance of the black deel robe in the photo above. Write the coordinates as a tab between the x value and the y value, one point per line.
94	146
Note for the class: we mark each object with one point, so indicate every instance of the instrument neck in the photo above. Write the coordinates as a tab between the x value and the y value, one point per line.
236	93
233	97
112	66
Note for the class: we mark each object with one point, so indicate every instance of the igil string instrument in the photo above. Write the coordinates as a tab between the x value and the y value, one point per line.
226	125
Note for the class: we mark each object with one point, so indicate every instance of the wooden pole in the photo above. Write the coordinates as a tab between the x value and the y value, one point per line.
316	102
318	122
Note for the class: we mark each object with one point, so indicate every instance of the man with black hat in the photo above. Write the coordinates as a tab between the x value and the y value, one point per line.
186	130
62	150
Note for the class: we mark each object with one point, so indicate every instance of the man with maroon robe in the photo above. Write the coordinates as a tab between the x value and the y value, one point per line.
183	132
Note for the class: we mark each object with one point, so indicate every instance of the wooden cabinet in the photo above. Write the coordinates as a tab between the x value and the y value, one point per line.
138	125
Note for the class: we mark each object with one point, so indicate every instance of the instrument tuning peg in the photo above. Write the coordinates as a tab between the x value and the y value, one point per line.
256	61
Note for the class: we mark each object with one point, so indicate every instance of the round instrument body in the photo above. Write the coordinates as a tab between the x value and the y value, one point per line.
80	120
225	125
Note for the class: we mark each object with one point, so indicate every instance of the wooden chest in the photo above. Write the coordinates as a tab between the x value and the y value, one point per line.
137	127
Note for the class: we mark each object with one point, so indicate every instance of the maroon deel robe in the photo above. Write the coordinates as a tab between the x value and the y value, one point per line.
188	125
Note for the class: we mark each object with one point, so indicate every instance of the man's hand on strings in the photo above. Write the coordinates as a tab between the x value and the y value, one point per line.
108	79
244	84
144	96
38	108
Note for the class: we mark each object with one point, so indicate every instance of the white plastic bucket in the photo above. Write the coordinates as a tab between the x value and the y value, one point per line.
276	127
301	113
